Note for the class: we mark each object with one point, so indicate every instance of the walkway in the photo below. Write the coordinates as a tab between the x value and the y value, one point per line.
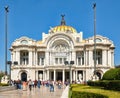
65	92
43	92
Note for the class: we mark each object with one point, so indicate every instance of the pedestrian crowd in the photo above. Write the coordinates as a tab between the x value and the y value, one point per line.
25	85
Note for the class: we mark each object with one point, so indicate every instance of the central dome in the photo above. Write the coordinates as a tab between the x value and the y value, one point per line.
63	27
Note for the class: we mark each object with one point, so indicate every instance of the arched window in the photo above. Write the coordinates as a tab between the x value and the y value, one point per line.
98	40
24	42
80	58
41	58
24	57
98	56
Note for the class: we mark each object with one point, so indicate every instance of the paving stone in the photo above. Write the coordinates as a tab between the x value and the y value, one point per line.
43	92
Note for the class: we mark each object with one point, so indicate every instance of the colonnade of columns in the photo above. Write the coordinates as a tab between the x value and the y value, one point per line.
107	57
74	76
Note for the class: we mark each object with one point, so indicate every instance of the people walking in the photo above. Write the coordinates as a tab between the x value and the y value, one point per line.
35	83
51	86
30	84
38	83
24	85
59	84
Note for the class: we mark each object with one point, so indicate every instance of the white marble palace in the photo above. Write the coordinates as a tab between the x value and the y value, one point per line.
62	54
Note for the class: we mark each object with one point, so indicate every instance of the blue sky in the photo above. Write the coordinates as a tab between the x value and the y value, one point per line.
32	17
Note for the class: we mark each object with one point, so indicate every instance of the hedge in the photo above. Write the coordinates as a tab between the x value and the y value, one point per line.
110	85
76	94
3	84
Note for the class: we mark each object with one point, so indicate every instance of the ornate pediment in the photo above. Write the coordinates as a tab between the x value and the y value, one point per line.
24	41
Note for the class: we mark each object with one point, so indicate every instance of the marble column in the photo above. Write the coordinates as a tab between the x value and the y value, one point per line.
73	75
76	75
91	58
48	77
54	75
104	57
63	77
36	58
74	57
37	74
85	57
112	57
18	57
34	63
109	58
47	58
14	59
84	75
30	58
43	75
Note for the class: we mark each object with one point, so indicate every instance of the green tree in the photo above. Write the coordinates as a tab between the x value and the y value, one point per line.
112	74
1	75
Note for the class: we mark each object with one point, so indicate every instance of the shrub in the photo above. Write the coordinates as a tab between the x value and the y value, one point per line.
112	85
76	94
107	84
112	74
1	75
3	84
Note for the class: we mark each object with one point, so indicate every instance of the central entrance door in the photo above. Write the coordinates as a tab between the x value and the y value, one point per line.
24	76
67	76
59	76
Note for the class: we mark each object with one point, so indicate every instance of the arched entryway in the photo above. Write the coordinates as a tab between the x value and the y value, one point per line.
99	75
23	76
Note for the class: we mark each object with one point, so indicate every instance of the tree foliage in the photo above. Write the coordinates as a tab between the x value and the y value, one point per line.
112	74
1	75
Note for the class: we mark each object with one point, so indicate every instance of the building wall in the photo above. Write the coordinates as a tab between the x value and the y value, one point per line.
70	48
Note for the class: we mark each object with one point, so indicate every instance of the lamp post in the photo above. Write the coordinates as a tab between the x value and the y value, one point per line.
94	8
6	14
10	63
95	77
69	63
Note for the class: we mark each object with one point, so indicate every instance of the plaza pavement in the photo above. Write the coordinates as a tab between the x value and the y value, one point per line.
43	92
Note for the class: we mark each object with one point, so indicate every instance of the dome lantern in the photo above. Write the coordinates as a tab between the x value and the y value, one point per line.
63	27
63	20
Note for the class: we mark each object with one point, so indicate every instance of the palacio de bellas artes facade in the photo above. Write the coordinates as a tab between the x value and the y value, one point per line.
62	54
